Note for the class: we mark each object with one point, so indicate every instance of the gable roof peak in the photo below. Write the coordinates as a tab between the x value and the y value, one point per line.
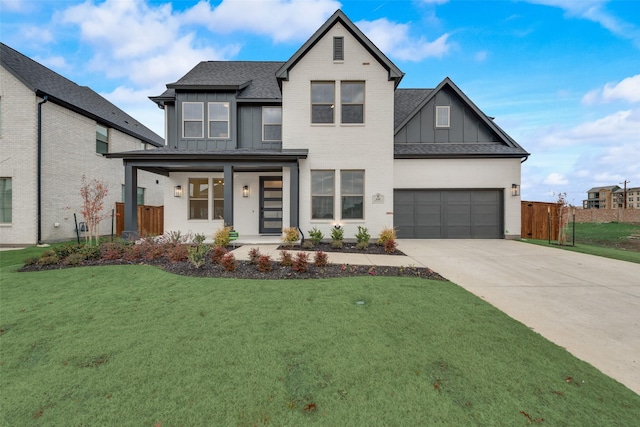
339	16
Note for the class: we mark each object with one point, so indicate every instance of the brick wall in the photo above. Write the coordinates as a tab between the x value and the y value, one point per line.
608	215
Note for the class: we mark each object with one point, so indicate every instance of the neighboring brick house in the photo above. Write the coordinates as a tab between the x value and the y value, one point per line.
324	139
612	197
73	126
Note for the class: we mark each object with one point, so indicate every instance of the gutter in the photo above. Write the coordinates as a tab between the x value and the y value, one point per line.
39	173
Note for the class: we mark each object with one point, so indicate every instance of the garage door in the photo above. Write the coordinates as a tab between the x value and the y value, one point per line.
448	214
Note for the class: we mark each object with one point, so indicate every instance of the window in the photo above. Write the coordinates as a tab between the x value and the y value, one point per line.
352	194
322	102
139	195
198	198
272	123
102	139
218	198
218	119
192	120
442	116
338	48
352	97
322	191
5	200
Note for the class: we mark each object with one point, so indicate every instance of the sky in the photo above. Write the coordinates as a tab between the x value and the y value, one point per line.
561	77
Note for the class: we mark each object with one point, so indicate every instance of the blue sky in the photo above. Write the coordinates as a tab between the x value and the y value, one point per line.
562	77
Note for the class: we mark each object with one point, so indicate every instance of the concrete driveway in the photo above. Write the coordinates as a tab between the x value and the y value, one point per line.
587	304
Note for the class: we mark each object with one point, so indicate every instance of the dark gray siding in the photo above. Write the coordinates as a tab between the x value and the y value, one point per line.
205	143
448	214
466	126
250	129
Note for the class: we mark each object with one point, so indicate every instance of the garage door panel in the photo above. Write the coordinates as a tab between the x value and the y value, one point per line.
448	214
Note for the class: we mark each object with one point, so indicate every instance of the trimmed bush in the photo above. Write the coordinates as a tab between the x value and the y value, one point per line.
321	259
315	236
286	259
301	262
217	254
228	262
264	263
254	255
387	233
390	246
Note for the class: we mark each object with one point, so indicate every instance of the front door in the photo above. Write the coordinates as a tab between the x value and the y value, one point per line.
270	205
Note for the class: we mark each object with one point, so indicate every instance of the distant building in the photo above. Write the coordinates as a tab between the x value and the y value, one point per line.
612	197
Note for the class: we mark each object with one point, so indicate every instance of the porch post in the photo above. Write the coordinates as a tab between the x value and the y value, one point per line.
228	195
130	202
295	193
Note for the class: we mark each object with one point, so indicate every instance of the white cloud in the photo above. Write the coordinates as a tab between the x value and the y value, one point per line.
626	90
287	20
36	33
394	39
14	5
54	62
136	103
481	56
555	178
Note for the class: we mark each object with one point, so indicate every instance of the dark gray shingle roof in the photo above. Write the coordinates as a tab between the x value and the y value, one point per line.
427	150
406	101
254	79
81	99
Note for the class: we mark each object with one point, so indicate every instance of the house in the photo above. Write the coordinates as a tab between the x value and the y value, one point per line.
612	197
52	132
328	138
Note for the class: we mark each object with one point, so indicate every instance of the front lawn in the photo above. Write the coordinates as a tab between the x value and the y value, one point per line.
134	345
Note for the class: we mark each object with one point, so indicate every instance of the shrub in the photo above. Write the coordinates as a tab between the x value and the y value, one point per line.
113	250
264	263
177	252
47	253
315	236
290	236
64	251
301	262
336	244
49	259
254	255
217	254
337	233
363	236
73	259
390	246
387	233
31	260
221	236
308	244
228	262
197	255
286	259
321	259
199	239
90	252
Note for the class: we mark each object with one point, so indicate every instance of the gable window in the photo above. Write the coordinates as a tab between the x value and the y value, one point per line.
6	201
352	194
272	123
192	120
218	198
102	139
218	119
338	48
322	102
442	116
198	198
352	97
322	194
139	195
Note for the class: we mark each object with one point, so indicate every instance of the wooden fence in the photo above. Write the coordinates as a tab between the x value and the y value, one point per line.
536	218
150	219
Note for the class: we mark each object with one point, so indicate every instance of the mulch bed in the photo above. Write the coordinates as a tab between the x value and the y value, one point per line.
347	248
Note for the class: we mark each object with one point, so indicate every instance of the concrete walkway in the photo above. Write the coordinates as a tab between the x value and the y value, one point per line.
587	304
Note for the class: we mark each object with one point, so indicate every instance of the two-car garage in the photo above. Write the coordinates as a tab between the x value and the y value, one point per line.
449	213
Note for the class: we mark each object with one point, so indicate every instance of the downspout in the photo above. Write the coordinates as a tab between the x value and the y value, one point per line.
298	207
39	191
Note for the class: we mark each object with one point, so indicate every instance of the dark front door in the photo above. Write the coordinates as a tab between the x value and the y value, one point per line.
270	205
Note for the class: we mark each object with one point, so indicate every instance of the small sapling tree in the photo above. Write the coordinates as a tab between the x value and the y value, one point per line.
93	194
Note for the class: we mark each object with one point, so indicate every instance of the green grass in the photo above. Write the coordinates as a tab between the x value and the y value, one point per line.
609	240
133	345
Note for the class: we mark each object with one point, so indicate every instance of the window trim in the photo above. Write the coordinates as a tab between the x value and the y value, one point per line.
343	103
265	124
209	120
218	199
9	208
100	142
201	120
342	218
332	195
446	108
331	104
190	198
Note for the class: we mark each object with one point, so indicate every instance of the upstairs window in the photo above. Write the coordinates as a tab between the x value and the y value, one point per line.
338	48
322	102
102	139
218	119
272	123
352	97
352	194
442	116
322	194
192	120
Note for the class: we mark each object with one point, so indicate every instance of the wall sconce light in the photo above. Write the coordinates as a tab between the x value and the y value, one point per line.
515	190
245	191
177	191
